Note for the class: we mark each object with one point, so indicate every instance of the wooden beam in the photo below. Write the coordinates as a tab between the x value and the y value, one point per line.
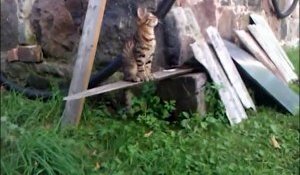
229	67
259	20
125	84
84	61
251	45
233	106
262	36
264	79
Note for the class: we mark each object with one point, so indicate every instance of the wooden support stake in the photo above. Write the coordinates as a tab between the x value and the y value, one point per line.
84	61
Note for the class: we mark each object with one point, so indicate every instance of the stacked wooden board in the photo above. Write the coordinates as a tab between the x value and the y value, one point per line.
267	65
271	69
233	106
125	84
265	79
232	90
265	38
229	67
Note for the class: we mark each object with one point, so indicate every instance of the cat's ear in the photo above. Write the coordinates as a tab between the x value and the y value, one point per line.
141	12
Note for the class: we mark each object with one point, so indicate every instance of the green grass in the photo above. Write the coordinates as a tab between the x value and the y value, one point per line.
144	143
293	54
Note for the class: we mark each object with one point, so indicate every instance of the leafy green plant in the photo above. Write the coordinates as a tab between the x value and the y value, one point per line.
215	107
149	109
293	54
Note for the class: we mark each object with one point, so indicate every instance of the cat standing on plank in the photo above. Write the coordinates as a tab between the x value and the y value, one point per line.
138	52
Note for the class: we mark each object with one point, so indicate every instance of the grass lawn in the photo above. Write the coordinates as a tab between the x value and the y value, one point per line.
145	143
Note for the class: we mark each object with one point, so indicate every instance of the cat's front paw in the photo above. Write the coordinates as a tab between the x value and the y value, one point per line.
151	77
136	79
143	77
132	79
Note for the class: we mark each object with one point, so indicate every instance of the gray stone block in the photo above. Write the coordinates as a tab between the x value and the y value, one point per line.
177	41
9	25
225	2
186	90
254	2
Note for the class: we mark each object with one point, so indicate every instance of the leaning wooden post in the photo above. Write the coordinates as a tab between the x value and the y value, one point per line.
84	61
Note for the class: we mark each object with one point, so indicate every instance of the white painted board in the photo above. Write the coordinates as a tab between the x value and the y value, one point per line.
233	106
262	37
230	68
259	20
252	46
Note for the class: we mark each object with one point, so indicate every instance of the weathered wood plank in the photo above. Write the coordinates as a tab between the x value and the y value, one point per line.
125	84
251	45
264	78
229	67
262	37
84	61
233	106
259	20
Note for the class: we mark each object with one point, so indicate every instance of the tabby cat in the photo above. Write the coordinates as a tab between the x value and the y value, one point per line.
138	52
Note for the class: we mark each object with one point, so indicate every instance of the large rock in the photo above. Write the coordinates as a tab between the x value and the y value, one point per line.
57	26
206	14
26	35
186	90
119	24
177	37
9	25
230	18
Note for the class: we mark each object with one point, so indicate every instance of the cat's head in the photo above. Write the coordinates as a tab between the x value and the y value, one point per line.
146	18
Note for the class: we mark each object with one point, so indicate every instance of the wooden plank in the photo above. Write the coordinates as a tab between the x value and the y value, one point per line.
261	36
264	78
84	61
251	45
233	106
229	67
125	84
259	20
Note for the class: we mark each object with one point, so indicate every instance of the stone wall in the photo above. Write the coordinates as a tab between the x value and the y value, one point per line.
234	14
57	24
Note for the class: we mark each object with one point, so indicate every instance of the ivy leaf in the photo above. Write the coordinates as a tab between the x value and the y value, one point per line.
185	124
